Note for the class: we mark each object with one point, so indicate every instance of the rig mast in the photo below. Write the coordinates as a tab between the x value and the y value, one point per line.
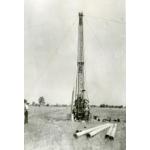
81	110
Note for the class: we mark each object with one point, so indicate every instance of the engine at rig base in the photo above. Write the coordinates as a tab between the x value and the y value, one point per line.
81	110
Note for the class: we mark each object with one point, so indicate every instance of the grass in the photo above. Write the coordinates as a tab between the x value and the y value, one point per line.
49	129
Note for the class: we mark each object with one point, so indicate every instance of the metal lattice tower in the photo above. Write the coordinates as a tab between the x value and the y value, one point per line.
80	58
81	105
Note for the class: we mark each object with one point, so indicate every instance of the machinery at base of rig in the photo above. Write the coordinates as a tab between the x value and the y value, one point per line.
80	108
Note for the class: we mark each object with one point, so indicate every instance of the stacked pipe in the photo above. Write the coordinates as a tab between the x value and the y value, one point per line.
96	129
108	132
111	132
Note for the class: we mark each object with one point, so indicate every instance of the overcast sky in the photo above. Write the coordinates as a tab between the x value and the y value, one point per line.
51	33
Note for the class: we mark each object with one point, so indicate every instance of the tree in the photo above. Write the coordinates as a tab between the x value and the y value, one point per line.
41	100
102	105
33	103
47	105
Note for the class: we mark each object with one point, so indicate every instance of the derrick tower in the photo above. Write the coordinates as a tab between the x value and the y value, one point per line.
80	58
80	109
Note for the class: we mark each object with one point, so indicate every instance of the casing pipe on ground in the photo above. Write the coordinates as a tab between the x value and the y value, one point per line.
89	130
94	132
113	132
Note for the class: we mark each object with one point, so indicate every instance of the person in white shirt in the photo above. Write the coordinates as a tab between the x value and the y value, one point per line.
25	112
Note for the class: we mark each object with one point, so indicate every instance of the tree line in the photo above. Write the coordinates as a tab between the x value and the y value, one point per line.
42	102
108	106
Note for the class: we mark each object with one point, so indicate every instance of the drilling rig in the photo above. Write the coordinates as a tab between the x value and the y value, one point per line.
80	103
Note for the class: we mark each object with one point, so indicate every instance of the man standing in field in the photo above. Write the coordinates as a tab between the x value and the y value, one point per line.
25	111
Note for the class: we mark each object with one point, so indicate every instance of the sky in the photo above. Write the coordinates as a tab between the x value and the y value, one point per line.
50	50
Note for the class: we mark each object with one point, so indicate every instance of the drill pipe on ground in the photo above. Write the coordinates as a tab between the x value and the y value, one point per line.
113	132
94	132
89	130
109	132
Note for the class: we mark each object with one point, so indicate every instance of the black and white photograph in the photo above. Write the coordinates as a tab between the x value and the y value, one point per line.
74	75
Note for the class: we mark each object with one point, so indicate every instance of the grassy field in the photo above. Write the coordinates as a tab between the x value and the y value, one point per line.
49	129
